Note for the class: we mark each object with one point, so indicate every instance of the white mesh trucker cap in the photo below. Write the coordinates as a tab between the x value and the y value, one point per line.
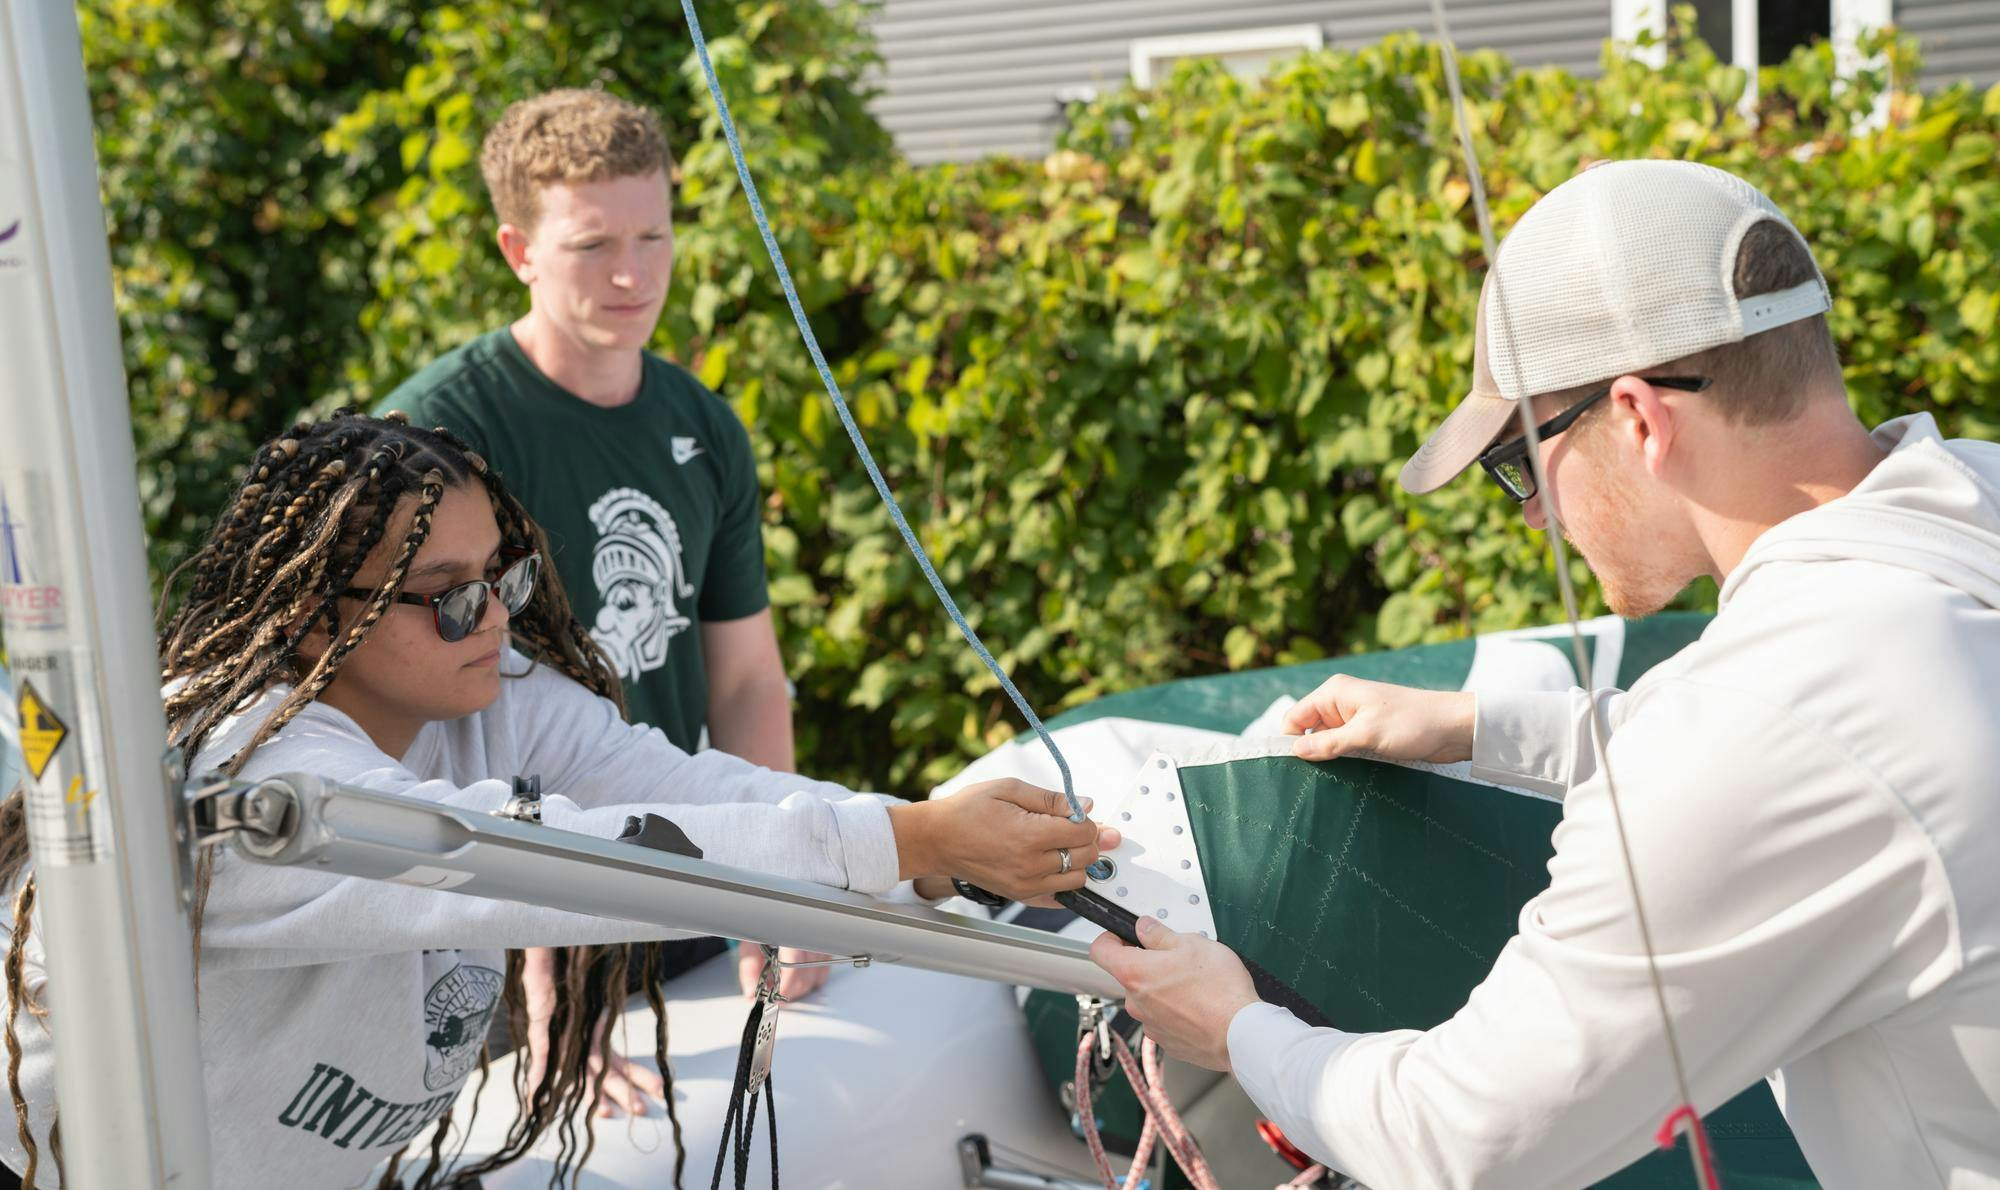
1627	265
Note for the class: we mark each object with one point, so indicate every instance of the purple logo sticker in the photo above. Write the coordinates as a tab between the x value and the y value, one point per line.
28	601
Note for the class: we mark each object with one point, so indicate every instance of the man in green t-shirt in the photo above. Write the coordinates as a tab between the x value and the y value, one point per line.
651	509
642	478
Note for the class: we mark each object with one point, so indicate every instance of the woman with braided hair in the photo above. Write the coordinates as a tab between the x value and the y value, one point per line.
372	607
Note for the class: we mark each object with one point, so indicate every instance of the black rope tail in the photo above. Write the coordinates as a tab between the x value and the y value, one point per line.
739	1126
1273	990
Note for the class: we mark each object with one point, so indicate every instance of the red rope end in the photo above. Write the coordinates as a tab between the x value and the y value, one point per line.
1686	1117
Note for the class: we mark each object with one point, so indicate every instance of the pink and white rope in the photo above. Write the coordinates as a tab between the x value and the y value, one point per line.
1163	1123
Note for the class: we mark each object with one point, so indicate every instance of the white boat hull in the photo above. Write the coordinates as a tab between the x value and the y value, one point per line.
877	1074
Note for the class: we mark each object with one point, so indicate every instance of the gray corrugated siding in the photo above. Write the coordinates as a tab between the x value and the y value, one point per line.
1960	38
968	78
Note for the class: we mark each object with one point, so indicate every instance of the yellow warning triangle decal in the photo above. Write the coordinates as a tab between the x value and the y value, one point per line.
42	734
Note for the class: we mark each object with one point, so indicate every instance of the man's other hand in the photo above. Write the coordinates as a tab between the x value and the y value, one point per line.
1347	715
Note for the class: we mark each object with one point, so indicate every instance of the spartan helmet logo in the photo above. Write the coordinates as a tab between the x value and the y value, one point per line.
456	1012
640	579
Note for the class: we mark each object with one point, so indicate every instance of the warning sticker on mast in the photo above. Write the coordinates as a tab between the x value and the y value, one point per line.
42	731
61	742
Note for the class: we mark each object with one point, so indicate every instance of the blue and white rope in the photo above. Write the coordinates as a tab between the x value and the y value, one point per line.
847	419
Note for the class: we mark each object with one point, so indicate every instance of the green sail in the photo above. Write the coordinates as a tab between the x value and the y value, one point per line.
1383	894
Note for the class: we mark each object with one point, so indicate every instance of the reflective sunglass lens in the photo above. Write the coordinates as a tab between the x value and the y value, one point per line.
460	611
517	583
1515	477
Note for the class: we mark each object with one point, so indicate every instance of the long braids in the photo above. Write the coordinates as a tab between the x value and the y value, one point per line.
315	504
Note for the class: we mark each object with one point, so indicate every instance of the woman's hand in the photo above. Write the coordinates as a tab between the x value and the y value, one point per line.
1004	836
1347	715
627	1084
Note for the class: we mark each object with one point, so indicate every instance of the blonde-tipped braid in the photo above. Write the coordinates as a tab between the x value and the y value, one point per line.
24	909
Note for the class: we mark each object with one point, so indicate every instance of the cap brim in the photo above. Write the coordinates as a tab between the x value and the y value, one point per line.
1459	440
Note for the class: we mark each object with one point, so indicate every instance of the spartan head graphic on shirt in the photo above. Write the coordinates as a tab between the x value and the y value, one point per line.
456	1012
640	578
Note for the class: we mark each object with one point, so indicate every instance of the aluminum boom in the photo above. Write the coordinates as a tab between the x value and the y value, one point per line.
301	820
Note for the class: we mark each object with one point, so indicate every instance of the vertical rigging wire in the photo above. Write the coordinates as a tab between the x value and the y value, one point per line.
854	432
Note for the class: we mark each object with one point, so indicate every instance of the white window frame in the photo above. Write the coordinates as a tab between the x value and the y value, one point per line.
1743	45
1151	55
1630	18
1851	20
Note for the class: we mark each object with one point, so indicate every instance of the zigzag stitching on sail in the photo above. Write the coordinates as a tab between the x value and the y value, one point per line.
1339	865
1306	949
1326	896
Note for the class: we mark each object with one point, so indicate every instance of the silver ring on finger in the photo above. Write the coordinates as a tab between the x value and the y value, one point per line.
1062	853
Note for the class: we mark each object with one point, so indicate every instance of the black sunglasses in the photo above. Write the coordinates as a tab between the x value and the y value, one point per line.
1507	462
458	610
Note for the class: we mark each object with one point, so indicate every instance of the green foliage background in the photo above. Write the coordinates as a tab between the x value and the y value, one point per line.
1146	399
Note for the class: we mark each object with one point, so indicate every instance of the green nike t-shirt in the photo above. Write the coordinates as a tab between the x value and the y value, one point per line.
651	508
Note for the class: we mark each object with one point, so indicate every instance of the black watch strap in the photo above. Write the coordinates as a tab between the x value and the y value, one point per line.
976	894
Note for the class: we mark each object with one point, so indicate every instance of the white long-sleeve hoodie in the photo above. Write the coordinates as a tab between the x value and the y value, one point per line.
340	1017
1812	795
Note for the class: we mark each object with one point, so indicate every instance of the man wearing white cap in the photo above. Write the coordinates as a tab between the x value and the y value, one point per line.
1810	793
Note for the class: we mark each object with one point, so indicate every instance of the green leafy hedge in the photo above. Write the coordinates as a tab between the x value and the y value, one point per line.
1148	398
1145	399
295	210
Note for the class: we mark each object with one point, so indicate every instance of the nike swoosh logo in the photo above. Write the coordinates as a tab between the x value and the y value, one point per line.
10	232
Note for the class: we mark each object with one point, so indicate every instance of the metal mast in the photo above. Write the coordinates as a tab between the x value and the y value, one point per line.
74	601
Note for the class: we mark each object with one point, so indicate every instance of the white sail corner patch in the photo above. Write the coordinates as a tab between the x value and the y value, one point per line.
1156	867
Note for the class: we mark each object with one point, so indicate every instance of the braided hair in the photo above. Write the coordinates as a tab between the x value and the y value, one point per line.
314	506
